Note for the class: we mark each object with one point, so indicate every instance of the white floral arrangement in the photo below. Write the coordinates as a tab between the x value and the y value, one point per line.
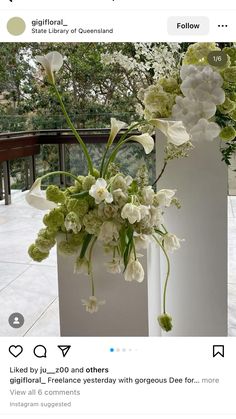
187	86
202	96
107	206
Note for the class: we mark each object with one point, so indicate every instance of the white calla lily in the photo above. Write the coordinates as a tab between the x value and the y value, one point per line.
145	140
37	198
51	63
175	131
116	126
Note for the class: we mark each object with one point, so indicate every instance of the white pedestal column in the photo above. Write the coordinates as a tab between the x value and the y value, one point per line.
127	311
197	292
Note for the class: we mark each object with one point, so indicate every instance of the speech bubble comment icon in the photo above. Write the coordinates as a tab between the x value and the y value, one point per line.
40	351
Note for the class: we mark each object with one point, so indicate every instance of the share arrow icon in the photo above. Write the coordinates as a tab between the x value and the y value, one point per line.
64	349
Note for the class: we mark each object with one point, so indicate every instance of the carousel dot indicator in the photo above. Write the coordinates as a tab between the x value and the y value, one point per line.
16	26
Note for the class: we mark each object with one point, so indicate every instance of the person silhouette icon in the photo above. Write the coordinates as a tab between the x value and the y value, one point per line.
16	320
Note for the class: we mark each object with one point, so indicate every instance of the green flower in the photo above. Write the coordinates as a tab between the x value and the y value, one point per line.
165	322
72	244
233	115
229	74
170	85
157	102
96	173
36	254
43	244
47	233
88	182
231	52
54	220
232	96
226	107
79	183
72	222
119	182
79	206
198	53
228	133
92	222
54	194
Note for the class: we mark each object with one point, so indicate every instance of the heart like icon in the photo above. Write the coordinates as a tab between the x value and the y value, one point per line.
15	350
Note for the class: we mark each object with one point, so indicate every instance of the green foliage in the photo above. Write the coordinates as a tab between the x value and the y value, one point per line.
228	151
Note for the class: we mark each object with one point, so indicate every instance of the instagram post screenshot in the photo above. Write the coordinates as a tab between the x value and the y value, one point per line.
117	209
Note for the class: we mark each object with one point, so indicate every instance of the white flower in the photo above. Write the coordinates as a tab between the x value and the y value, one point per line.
202	88
100	193
114	267
144	211
205	131
51	62
108	233
202	83
72	222
165	196
156	219
175	131
119	197
81	266
92	304
190	111
116	126
120	182
132	213
107	210
148	195
37	198
145	140
134	271
171	242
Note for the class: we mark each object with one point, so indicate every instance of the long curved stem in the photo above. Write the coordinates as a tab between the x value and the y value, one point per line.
59	172
76	134
121	141
167	273
103	161
113	155
90	271
160	175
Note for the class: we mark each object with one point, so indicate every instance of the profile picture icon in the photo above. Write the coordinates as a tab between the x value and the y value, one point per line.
16	26
16	320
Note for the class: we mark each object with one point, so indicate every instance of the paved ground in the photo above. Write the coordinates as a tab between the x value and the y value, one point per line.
25	286
31	288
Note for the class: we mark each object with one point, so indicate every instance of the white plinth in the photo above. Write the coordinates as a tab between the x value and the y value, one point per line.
197	292
126	312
